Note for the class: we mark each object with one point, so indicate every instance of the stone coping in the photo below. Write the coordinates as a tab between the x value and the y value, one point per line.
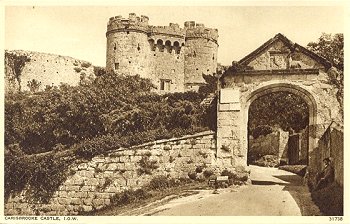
279	71
157	142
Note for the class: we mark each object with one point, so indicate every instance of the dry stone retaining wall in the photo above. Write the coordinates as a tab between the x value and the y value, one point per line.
331	144
95	182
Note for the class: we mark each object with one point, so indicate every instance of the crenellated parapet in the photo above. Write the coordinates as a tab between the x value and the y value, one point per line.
172	30
198	30
133	23
173	57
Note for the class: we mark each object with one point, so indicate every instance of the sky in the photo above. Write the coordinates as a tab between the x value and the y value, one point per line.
79	31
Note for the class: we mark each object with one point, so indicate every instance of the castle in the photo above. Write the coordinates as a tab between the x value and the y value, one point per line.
173	58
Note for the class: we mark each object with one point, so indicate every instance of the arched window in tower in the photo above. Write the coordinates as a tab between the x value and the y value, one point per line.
151	44
177	47
160	45
213	57
194	54
115	46
168	46
138	47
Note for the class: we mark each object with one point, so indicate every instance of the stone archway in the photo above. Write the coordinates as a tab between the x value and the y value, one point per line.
269	69
284	87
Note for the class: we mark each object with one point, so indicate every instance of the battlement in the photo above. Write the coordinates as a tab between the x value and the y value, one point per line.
173	57
133	23
198	30
173	30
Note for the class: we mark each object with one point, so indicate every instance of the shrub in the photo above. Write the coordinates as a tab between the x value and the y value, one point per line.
34	85
208	173
267	161
225	148
192	175
203	154
159	183
90	148
171	159
230	174
167	148
108	182
99	71
77	69
262	130
31	173
129	196
189	161
330	200
235	178
85	64
147	166
110	112
199	169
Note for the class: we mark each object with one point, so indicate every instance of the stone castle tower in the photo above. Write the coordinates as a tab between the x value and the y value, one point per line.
173	58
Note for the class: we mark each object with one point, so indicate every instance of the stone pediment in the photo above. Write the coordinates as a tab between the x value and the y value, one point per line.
279	53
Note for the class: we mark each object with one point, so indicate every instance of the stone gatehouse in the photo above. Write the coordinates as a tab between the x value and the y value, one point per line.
277	65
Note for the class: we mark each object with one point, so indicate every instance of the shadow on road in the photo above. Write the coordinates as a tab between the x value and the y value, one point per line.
300	194
295	187
263	182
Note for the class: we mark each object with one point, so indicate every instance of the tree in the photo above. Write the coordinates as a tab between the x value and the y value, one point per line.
34	85
331	47
281	109
17	63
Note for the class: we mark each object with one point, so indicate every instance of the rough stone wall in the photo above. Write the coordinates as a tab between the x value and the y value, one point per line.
128	53
337	154
265	144
167	63
49	69
331	144
200	58
303	155
283	144
275	143
97	181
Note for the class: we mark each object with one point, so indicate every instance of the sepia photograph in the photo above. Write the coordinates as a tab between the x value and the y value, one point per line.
123	110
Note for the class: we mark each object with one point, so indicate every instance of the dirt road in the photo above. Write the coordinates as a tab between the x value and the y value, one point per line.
273	192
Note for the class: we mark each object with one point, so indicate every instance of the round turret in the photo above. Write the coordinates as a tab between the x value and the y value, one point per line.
200	55
127	45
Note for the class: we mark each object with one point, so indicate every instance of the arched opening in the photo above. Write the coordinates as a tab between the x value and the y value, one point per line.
286	133
160	45
168	46
152	45
177	47
277	124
